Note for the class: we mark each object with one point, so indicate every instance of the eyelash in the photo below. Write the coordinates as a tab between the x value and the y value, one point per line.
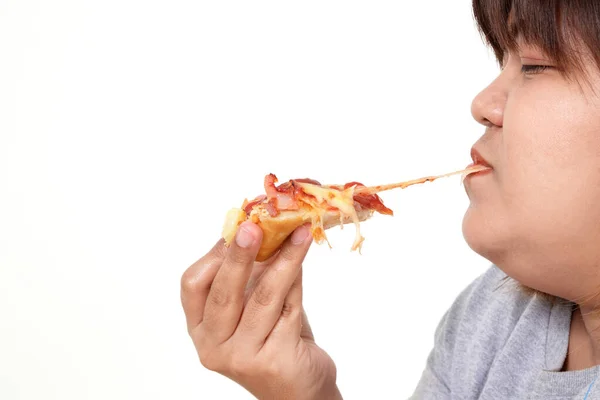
533	69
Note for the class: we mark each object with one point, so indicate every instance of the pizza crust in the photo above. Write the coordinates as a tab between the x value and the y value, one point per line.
277	229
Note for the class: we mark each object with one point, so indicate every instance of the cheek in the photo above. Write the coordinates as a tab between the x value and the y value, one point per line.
551	157
549	130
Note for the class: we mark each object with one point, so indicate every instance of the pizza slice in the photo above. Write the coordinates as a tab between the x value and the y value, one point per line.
285	207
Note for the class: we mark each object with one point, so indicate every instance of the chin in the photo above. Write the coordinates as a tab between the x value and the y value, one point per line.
488	235
483	236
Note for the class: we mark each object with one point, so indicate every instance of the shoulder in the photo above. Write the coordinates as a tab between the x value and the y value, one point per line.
491	287
474	331
489	308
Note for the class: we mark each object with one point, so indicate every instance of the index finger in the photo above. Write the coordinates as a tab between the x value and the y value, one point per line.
196	281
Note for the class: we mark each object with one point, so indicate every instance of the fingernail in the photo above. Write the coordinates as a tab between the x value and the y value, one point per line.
244	237
300	235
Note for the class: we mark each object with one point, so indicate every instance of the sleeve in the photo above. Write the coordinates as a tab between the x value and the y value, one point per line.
434	382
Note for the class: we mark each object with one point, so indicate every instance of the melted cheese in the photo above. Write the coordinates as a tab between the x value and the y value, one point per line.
317	229
343	200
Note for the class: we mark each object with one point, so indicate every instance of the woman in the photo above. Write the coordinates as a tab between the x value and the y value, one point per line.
535	216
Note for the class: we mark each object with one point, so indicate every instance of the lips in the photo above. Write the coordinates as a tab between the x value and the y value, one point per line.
478	159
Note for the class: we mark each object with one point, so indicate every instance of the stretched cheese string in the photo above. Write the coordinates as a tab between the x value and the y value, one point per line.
402	185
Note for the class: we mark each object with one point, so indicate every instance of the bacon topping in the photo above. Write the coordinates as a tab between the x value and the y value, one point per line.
249	205
282	197
289	196
368	201
373	202
271	208
307	180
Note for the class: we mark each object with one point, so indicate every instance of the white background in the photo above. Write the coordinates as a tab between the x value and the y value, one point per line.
128	129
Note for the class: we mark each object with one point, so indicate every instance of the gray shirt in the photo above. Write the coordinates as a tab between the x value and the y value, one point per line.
496	342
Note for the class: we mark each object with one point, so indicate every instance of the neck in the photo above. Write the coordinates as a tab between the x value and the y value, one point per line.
584	340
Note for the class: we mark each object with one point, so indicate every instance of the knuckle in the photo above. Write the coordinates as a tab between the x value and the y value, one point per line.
238	256
193	280
288	311
251	320
209	359
289	254
219	297
190	283
264	295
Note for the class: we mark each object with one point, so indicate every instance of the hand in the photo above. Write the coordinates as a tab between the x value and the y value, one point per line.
247	321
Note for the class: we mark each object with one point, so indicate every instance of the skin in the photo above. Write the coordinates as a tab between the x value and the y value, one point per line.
536	214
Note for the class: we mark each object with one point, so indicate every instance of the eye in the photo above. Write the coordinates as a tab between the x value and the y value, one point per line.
534	69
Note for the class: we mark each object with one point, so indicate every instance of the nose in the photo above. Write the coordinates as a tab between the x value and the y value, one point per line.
488	106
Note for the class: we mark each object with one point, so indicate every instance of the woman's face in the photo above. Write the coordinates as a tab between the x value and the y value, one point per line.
536	215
